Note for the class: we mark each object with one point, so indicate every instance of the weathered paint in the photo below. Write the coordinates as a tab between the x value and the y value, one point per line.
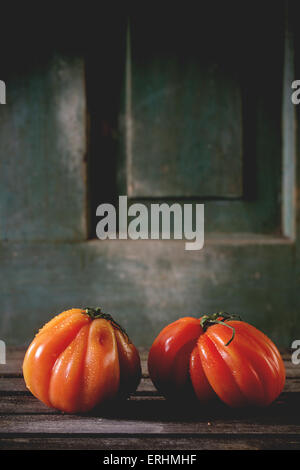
146	284
46	265
183	114
42	148
151	167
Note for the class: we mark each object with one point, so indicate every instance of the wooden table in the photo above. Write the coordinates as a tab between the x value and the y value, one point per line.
146	420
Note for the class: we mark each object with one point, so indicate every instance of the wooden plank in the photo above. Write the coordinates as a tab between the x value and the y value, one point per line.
156	418
42	149
21	401
288	131
13	385
183	130
149	405
14	361
213	442
146	413
25	403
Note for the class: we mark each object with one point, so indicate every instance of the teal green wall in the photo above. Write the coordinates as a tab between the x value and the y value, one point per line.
62	153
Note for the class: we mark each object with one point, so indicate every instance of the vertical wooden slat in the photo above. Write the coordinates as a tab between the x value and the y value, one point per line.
288	134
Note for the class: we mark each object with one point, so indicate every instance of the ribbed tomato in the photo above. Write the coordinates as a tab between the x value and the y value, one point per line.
80	359
216	356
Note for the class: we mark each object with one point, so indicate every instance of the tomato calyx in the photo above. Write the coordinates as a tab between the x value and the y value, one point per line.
96	313
219	318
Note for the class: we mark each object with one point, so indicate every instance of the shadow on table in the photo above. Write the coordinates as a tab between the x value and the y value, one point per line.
284	409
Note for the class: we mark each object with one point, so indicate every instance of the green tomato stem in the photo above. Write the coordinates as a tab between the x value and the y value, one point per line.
95	313
219	318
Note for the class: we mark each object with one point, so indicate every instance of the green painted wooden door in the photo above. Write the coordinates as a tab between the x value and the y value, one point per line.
163	106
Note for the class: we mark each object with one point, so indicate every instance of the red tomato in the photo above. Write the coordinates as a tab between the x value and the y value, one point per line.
216	356
80	359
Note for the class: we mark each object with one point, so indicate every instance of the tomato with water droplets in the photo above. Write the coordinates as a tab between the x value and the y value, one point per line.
216	356
80	359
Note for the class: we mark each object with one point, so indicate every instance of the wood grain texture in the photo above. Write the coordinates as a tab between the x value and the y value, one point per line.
146	420
154	407
42	151
213	442
14	386
51	425
288	131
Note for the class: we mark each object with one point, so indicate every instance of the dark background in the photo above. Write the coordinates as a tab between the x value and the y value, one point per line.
164	104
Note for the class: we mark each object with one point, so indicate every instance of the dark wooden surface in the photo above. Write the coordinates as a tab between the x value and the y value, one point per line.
145	420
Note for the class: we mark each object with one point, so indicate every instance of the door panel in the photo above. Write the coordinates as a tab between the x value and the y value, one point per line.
183	112
42	148
250	261
201	119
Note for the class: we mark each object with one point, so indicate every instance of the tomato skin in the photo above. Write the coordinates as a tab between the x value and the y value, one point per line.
76	362
168	360
247	371
202	388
